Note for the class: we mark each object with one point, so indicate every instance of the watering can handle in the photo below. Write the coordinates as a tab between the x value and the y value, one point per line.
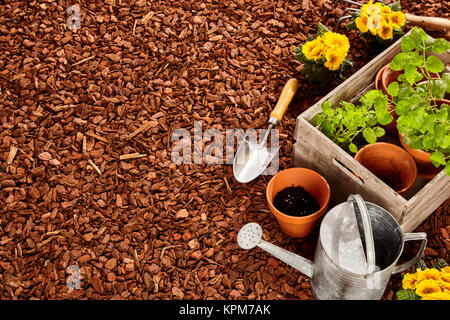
288	92
413	236
363	214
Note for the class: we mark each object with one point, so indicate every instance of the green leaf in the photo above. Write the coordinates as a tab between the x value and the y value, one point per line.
327	109
379	132
395	6
353	148
440	46
437	158
447	168
408	44
369	135
446	79
400	61
407	294
438	88
321	29
445	142
393	88
411	74
428	142
434	64
402	107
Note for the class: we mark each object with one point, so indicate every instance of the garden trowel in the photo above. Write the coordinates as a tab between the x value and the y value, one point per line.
252	158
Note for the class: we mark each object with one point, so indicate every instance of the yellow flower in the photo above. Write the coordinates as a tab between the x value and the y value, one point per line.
445	269
431	273
426	287
437	296
397	19
334	58
411	279
361	23
385	32
318	52
385	10
445	277
374	24
371	9
308	47
444	285
336	41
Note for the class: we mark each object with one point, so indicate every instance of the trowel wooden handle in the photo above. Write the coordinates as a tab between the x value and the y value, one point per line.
289	90
431	23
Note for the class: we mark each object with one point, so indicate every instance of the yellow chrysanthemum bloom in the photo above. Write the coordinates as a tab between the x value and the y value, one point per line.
374	23
371	9
365	6
431	273
308	47
437	296
385	10
334	58
410	280
361	23
444	285
318	52
445	269
426	287
336	40
397	19
445	277
385	32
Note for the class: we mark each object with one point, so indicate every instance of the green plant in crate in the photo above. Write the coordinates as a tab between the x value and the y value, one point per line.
426	283
348	122
324	56
424	119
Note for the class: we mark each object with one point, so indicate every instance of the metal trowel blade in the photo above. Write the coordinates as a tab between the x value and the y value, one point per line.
251	159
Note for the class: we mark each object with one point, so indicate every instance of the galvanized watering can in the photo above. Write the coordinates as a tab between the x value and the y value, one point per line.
357	251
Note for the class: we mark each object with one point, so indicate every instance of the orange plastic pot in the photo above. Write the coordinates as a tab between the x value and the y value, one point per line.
314	184
390	163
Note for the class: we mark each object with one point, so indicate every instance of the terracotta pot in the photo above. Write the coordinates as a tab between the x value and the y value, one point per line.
314	184
390	163
425	167
386	75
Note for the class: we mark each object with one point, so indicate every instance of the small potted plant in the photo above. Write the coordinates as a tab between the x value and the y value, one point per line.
426	283
351	126
418	97
298	198
378	23
325	56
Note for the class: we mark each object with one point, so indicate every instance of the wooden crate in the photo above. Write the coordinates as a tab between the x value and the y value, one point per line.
345	175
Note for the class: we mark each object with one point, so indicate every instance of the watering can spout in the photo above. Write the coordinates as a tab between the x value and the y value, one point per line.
297	262
250	236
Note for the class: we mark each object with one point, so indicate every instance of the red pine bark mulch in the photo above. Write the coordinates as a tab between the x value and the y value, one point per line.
141	227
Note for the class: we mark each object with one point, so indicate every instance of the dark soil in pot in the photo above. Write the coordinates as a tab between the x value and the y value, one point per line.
295	201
